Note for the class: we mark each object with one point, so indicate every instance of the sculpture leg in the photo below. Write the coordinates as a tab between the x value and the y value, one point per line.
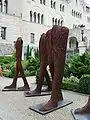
57	80
26	85
41	80
56	84
85	109
42	74
52	71
49	83
14	83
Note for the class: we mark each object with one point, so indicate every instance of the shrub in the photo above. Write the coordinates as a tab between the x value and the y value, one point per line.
33	64
6	59
70	83
27	73
84	84
9	69
30	67
70	86
67	70
37	55
80	65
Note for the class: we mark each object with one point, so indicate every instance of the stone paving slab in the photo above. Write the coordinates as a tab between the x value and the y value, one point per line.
14	106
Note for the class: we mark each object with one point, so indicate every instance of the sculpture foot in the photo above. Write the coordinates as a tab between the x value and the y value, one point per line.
24	88
10	87
49	105
83	110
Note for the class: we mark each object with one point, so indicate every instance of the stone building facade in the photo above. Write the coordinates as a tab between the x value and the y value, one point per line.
30	18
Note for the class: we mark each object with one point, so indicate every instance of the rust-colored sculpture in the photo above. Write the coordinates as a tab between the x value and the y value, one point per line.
49	82
43	58
53	46
85	109
19	68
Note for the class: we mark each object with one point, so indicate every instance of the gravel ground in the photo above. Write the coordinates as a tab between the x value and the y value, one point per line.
14	106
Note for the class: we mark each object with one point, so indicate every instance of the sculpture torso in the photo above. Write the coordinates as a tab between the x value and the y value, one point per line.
52	43
18	46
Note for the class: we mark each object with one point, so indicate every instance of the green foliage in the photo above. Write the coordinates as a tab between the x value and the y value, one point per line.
27	54
80	65
70	83
9	69
7	63
67	70
11	73
30	67
37	55
6	59
84	84
33	64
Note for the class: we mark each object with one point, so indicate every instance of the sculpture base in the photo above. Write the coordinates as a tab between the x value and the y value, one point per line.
15	89
61	104
80	117
34	95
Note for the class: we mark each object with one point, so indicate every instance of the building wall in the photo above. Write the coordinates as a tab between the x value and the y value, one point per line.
15	7
17	20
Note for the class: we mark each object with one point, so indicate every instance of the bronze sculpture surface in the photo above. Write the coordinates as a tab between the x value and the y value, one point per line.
19	68
53	46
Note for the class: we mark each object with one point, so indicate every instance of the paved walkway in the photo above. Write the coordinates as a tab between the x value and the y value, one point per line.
14	106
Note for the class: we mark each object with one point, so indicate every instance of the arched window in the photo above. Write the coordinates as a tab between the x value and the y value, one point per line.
74	13
42	17
41	1
30	16
56	21
35	17
59	22
53	21
60	7
5	6
62	22
51	4
54	5
0	5
44	2
38	17
63	8
78	15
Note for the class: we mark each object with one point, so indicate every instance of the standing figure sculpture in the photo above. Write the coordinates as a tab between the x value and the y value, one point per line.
52	52
19	68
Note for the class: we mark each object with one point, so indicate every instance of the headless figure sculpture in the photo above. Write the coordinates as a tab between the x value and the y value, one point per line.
52	52
19	68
